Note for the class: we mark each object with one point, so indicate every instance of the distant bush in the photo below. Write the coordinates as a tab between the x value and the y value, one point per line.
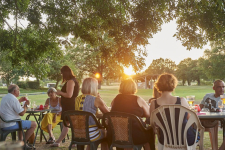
33	84
43	89
22	84
203	82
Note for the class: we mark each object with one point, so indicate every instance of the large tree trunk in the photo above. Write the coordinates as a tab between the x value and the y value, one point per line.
56	84
183	81
198	82
189	83
99	84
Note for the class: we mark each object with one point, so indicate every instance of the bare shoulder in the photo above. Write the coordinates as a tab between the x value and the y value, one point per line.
140	99
70	82
153	102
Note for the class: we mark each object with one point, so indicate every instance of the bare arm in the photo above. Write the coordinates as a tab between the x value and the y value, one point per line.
25	108
47	102
99	103
152	106
185	104
141	102
60	102
60	106
22	99
69	90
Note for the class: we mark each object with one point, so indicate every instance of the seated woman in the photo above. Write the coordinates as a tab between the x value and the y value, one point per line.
165	84
50	120
89	101
134	105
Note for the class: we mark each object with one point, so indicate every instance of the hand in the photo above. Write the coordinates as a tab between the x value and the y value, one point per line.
99	95
27	102
22	99
58	92
54	118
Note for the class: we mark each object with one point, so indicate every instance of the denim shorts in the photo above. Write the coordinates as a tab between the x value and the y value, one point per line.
25	125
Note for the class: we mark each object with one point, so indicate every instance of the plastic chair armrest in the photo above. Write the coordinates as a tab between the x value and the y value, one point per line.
16	120
64	122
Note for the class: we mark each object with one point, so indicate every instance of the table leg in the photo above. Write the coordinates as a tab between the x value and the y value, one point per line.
38	127
42	133
38	121
223	125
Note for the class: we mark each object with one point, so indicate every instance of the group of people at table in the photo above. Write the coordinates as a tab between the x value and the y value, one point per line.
90	100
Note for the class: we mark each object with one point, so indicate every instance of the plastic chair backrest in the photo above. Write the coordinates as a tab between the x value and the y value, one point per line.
170	126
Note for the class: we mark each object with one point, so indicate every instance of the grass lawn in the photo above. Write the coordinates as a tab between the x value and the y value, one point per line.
109	92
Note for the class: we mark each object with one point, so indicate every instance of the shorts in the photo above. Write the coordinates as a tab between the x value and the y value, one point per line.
26	124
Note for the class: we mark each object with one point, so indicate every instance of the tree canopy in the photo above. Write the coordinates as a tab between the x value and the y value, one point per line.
115	31
213	63
200	21
159	66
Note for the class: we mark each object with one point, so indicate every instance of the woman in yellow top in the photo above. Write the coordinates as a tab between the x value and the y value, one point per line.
50	120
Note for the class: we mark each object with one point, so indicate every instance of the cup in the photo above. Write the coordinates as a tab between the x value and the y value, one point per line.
190	99
41	107
197	107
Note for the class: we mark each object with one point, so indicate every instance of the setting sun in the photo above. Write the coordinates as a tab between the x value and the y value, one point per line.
97	75
129	71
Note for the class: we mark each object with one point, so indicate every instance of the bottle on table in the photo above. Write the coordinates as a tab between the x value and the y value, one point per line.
210	105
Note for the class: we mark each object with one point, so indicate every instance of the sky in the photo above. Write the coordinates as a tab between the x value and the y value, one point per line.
164	45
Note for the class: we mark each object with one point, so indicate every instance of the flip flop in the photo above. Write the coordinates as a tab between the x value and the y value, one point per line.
50	141
55	145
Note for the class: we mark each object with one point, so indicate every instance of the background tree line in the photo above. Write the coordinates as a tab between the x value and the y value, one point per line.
208	67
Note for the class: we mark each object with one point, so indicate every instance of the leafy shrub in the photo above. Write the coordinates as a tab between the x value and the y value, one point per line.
22	84
33	84
203	82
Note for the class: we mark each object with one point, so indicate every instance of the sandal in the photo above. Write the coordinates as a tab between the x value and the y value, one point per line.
50	141
55	145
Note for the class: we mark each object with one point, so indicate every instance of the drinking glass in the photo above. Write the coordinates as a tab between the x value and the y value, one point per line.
34	105
223	98
190	100
220	105
31	105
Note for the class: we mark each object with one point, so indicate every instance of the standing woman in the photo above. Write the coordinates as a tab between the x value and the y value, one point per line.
68	93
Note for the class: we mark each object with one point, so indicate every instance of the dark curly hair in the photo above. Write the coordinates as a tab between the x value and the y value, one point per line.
166	82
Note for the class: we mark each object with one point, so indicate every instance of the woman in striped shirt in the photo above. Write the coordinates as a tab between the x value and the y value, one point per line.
89	101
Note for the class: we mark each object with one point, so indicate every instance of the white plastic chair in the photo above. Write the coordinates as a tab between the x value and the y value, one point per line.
172	135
